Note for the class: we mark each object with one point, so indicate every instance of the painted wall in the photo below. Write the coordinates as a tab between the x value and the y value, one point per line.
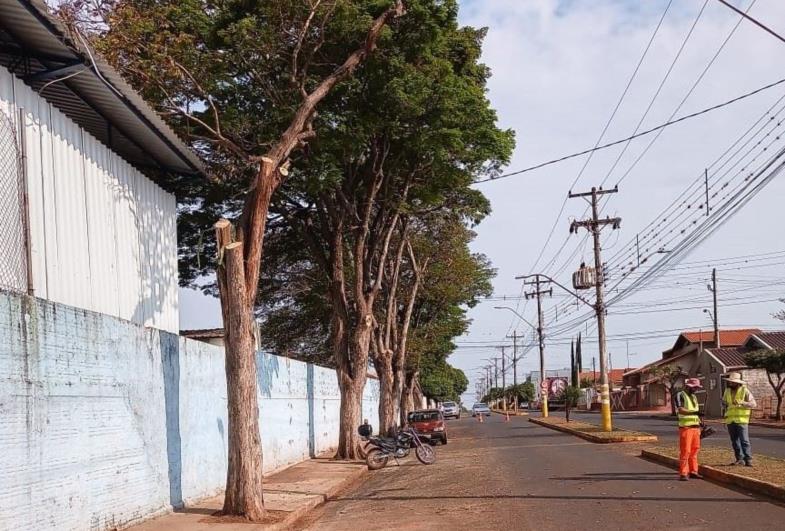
102	235
106	423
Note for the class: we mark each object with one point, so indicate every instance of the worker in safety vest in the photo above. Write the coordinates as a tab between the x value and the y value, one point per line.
739	404
689	429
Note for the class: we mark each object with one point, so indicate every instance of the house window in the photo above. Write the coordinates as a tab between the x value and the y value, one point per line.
713	383
713	370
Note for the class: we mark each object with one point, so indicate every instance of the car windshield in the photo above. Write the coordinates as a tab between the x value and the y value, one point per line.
449	404
478	406
420	416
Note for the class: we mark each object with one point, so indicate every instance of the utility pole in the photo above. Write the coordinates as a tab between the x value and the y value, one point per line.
628	355
538	293
595	226
713	289
504	370
514	337
496	372
594	369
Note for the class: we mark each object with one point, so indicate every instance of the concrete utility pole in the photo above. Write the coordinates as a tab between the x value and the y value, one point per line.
713	289
538	293
595	226
496	372
515	364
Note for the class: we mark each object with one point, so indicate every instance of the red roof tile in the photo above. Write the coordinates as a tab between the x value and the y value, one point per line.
728	338
615	375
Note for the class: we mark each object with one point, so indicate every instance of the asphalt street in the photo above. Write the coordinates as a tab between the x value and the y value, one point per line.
518	476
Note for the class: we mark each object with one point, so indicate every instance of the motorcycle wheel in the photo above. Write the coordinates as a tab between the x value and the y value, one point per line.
362	449
376	460
425	454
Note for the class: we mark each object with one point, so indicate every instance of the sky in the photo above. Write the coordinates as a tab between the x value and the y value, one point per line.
559	69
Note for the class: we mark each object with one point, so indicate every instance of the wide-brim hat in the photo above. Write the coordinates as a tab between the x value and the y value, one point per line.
735	377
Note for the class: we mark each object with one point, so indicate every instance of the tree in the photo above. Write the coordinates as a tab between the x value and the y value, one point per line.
523	392
570	395
669	376
773	362
243	81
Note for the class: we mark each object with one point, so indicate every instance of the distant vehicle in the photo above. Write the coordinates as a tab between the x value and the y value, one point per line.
480	409
430	423
451	410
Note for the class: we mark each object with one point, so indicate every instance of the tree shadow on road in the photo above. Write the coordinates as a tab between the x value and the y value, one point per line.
711	499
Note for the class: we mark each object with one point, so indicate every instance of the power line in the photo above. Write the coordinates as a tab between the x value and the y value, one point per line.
591	153
754	21
637	135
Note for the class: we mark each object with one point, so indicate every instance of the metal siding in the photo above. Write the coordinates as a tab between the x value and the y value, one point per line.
103	235
30	103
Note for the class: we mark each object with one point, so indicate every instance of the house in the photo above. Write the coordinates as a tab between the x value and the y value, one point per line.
85	219
716	362
615	377
683	359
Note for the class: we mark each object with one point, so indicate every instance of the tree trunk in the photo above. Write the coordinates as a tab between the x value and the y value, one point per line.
244	494
778	415
387	399
407	396
350	414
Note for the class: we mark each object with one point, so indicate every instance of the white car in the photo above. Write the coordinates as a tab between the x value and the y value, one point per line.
451	410
481	409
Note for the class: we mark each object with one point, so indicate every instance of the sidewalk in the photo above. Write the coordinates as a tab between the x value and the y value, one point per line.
288	495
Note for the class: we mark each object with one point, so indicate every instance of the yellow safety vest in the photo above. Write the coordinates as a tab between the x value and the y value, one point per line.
690	403
736	414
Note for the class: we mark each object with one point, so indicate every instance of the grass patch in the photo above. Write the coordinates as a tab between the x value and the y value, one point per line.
767	469
592	432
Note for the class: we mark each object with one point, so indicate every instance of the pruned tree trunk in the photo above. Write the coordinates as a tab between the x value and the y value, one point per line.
244	495
238	280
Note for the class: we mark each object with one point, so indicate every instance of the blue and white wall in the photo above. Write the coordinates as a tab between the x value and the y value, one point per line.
105	423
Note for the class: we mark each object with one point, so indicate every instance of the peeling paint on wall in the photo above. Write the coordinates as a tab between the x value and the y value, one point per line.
106	423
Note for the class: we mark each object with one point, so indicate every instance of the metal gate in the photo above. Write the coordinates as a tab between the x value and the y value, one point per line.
13	232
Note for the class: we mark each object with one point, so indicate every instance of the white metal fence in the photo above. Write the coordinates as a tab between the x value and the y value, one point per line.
13	253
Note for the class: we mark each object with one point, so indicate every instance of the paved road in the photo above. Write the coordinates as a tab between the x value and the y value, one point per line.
518	476
768	441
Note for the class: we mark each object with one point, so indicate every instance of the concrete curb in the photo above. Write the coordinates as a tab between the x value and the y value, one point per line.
512	413
317	500
720	476
593	438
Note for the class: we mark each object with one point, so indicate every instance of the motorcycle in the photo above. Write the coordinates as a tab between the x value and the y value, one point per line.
381	449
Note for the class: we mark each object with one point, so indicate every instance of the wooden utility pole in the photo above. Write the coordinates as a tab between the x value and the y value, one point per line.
538	293
595	226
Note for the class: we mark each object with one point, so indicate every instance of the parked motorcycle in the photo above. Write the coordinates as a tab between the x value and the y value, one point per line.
381	449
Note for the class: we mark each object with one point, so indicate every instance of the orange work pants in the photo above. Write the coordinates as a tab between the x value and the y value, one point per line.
689	446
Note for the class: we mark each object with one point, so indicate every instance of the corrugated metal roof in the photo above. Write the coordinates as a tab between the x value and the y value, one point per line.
37	47
205	333
732	358
775	340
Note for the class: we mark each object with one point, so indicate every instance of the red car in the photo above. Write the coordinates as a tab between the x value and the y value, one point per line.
430	423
